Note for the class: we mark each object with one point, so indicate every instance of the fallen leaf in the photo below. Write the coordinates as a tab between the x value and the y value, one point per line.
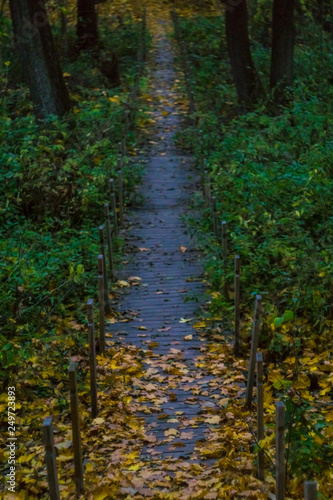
122	283
214	420
188	337
170	432
183	320
186	435
98	420
182	249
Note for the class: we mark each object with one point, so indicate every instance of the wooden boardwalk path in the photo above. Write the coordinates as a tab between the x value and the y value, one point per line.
174	390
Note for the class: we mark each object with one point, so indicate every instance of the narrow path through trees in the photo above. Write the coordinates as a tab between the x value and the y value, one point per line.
162	254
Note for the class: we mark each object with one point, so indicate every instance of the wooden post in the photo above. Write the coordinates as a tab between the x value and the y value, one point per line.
205	186
101	305
121	197
237	306
92	358
109	241
105	276
310	490
114	207
76	433
214	209
254	347
260	416
280	452
225	256
144	29
50	459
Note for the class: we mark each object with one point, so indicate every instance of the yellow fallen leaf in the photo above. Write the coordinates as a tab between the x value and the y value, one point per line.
183	320
134	467
170	432
101	494
329	416
122	283
188	337
142	328
98	420
214	420
200	324
115	99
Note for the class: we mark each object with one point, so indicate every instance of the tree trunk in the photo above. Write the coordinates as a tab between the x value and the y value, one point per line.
282	61
35	46
246	79
87	32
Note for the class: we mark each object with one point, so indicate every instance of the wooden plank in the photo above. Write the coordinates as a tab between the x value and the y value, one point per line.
280	451
76	433
310	490
260	416
254	347
92	358
109	242
105	279
113	206
121	197
214	213
101	305
237	306
50	459
225	256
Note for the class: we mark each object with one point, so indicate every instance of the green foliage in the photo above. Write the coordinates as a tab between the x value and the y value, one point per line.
272	177
54	181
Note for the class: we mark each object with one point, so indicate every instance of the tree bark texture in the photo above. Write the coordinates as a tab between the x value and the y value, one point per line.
282	61
87	31
40	63
246	79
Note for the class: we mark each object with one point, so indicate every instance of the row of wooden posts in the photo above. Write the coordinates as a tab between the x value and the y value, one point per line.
255	366
114	217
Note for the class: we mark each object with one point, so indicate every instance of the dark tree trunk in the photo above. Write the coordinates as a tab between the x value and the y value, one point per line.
323	13
246	79
87	32
282	61
35	46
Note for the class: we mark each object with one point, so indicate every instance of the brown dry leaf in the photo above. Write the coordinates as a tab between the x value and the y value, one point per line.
182	249
188	337
142	328
144	249
164	329
186	435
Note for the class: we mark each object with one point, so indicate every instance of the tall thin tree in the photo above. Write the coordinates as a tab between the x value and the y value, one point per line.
237	31
87	30
39	59
282	60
